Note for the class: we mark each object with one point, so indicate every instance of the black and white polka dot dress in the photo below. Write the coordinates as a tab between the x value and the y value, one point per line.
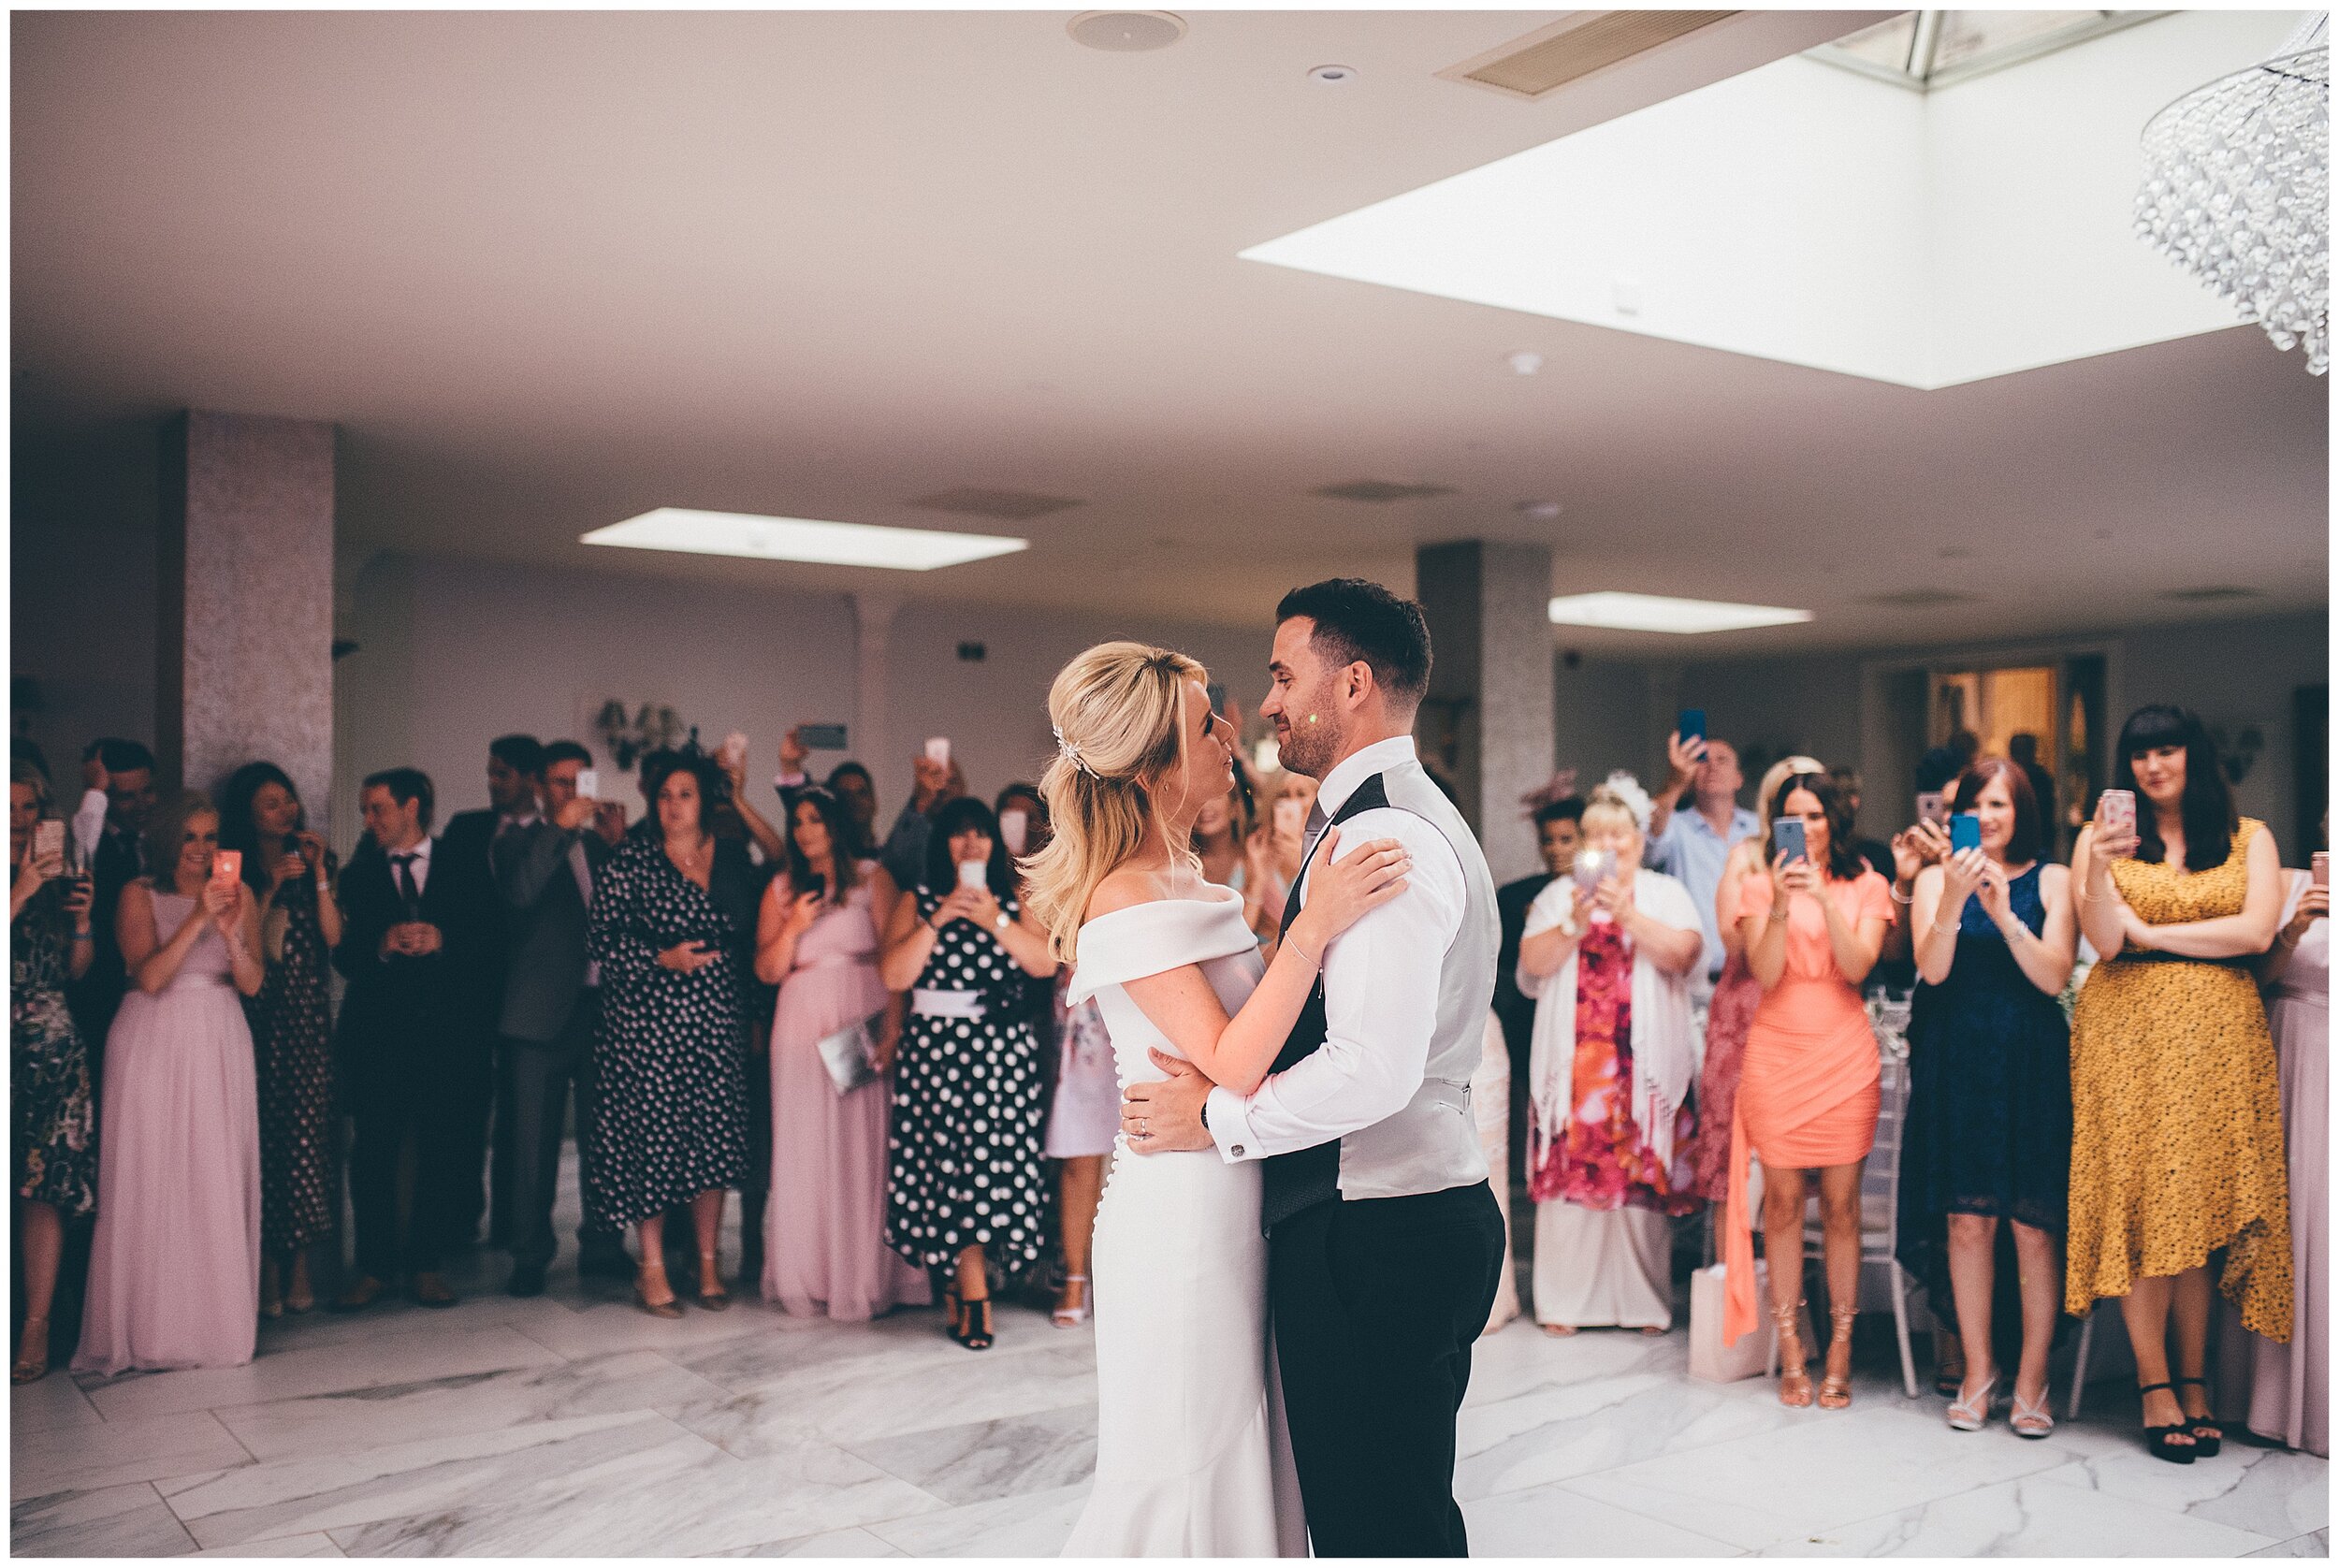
670	1062
968	1113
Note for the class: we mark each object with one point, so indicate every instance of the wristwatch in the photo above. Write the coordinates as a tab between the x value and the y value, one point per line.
1001	924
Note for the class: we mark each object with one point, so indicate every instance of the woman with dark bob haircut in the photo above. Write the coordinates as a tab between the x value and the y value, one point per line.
2176	1107
1988	1134
968	1101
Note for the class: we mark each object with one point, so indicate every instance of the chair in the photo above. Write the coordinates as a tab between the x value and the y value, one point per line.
1880	1209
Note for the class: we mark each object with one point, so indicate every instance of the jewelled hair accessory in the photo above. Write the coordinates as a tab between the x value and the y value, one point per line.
1071	754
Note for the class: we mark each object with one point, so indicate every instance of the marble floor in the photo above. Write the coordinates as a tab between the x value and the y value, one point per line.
575	1425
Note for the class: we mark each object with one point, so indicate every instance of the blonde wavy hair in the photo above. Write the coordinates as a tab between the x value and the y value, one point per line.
1119	712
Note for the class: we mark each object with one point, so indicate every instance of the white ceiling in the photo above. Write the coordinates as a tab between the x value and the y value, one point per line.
551	270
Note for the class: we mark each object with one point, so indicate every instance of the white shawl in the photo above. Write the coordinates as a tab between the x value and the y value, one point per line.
1664	1064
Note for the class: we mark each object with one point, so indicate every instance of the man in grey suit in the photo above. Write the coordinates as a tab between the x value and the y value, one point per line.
544	869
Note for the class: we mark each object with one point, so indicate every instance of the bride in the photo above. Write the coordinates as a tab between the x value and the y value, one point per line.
1191	1456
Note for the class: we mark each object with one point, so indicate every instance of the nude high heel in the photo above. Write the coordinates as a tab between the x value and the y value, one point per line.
1795	1379
1835	1392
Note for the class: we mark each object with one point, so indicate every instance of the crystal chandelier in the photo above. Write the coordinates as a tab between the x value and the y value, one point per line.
2237	178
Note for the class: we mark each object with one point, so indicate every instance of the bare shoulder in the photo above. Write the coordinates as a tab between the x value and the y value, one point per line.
2054	879
1123	887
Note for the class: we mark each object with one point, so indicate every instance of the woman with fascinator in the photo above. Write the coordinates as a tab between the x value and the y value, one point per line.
1607	953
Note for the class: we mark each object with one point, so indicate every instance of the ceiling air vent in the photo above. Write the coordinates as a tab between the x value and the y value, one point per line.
2211	595
1380	490
1568	51
1008	506
1922	599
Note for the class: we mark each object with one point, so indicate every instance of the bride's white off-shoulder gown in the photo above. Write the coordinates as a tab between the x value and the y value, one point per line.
1192	1455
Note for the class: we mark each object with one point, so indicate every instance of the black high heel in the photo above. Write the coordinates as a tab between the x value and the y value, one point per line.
2157	1438
973	1329
2208	1436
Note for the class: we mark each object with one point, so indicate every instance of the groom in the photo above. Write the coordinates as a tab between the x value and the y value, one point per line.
1384	1243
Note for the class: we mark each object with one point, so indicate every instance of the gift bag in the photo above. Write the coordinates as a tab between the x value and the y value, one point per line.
1711	1359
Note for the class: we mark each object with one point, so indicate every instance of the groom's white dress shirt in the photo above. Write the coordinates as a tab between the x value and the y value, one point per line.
1381	979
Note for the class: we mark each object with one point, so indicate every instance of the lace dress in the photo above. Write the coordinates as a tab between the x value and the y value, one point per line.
49	1077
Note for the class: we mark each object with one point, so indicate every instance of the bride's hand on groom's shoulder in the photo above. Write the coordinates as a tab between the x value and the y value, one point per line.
1165	1116
1341	890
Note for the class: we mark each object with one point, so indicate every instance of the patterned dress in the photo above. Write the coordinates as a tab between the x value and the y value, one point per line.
969	1105
56	1118
2176	1110
1600	1159
292	1045
670	1062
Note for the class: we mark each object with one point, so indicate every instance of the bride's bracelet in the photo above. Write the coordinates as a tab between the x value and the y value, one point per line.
1293	943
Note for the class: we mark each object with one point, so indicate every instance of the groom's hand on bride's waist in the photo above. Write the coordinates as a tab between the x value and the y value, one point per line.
1165	1116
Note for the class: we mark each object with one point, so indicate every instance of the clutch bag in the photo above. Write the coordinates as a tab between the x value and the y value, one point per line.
846	1055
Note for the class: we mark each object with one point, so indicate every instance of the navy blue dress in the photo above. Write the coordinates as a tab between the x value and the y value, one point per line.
1989	1127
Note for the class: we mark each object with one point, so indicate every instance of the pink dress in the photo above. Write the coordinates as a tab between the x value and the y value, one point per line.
2290	1397
174	1273
824	1231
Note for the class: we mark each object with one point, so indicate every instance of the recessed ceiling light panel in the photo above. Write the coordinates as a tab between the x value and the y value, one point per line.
800	539
1643	612
1127	31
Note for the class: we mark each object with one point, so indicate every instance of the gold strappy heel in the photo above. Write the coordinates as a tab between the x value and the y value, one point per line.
1835	1392
1795	1379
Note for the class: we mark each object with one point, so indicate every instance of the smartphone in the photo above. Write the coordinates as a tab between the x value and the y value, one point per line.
733	751
589	783
973	874
1786	838
226	865
1590	866
1691	725
1014	830
821	737
2318	868
48	837
2115	813
1964	830
1933	806
938	750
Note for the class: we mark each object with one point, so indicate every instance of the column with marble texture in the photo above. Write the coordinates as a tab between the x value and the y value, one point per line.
246	602
1490	684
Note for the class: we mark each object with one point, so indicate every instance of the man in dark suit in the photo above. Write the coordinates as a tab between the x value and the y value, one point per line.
410	1060
544	870
124	771
1559	829
516	766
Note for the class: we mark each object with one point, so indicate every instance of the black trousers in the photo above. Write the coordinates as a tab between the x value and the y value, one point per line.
1376	1304
423	1103
540	1080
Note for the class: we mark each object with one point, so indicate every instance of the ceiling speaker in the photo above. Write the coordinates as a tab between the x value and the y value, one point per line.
1127	31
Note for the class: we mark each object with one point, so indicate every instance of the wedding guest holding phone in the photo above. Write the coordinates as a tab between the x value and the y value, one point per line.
824	1252
936	781
1692	846
1731	1010
49	947
175	1263
967	1183
1988	1128
1807	1091
1222	836
850	783
115	856
2176	1109
2287	1388
1608	950
290	874
672	929
1274	853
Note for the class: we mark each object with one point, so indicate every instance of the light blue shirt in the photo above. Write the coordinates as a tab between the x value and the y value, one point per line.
1690	851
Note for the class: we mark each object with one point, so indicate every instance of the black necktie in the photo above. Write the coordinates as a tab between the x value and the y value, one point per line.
1310	838
408	893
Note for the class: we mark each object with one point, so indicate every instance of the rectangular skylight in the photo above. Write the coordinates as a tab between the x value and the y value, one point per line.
739	533
1644	612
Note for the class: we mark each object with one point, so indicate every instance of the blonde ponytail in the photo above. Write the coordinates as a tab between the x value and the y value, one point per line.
1118	712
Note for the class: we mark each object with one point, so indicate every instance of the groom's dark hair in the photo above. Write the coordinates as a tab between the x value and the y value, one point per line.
1357	619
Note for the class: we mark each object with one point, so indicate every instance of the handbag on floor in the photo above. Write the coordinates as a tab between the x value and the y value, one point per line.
1711	1359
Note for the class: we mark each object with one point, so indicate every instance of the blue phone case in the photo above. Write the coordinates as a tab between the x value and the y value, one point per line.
1693	725
1964	830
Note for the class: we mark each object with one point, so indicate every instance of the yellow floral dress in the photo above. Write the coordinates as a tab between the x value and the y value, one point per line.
2176	1111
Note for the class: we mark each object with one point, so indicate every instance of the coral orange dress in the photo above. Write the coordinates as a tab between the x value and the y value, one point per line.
1807	1092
